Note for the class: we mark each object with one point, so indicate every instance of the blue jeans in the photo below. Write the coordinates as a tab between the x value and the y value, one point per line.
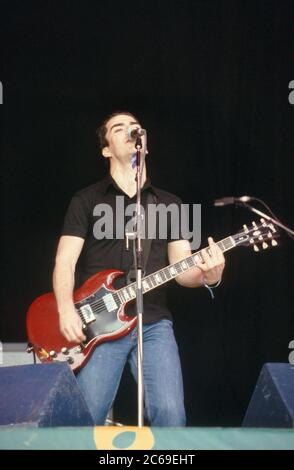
163	385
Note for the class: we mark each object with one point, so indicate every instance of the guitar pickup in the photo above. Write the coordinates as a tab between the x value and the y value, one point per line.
109	302
87	313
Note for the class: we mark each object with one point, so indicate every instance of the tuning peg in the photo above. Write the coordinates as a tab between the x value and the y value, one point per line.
263	222
254	224
246	230
274	243
264	245
255	248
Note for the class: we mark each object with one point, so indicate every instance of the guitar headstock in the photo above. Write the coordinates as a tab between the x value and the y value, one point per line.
259	234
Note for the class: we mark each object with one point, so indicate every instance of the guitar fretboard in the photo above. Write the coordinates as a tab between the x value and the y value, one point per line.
168	273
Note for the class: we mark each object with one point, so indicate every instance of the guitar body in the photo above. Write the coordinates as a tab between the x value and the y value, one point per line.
102	308
102	314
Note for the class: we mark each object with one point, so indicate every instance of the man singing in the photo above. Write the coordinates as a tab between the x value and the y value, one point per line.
100	377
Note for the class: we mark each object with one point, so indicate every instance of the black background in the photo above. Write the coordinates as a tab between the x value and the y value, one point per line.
209	81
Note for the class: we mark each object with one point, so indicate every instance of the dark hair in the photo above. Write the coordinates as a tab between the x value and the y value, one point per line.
102	130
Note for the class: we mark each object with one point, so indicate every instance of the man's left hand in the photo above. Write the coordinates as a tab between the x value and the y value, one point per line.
213	265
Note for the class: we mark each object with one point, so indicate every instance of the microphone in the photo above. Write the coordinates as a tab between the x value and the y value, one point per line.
225	201
134	133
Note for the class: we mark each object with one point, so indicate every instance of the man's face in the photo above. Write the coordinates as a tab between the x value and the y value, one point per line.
120	146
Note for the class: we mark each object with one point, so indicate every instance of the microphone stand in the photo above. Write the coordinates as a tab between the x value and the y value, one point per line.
138	261
267	217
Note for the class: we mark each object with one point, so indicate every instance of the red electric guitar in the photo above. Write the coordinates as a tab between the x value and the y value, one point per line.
101	307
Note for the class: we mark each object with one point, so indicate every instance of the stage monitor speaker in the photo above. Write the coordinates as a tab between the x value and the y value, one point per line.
42	395
272	402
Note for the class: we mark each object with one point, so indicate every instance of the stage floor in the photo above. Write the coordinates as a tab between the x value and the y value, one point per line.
19	437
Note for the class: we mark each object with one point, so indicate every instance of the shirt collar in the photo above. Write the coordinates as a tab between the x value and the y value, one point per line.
106	183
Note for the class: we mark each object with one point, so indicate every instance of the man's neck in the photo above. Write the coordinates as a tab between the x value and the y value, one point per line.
124	176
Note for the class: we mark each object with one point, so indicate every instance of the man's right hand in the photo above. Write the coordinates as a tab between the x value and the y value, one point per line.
71	325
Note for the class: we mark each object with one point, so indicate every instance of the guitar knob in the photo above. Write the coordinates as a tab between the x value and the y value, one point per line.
70	360
29	348
53	354
64	350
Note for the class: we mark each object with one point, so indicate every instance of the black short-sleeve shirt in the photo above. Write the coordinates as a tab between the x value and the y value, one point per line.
109	252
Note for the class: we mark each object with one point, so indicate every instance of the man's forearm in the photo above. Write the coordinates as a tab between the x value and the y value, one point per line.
63	285
191	278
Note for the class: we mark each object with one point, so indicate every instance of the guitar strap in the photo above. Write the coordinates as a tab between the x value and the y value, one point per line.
146	242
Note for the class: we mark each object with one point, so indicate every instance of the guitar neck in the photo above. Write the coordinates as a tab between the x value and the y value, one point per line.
170	272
